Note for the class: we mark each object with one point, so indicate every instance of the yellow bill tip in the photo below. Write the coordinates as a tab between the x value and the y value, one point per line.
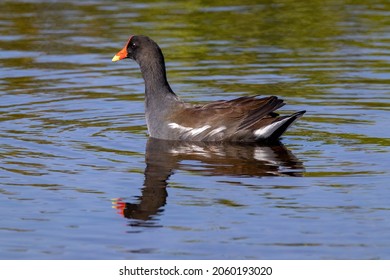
116	58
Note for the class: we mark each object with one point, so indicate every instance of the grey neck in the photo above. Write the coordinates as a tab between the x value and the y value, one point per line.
158	93
160	100
154	74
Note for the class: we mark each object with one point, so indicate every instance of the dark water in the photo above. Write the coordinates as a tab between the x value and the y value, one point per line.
73	140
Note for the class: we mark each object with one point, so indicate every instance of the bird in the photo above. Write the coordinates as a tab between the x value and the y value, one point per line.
249	119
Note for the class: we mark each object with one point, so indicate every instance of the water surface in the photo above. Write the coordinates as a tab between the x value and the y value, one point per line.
74	144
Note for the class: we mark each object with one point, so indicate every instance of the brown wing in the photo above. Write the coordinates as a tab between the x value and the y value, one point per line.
231	119
240	113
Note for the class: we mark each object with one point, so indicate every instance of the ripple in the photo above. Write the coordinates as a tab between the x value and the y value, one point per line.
73	133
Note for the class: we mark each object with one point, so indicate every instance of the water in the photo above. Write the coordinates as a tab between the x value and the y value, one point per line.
73	140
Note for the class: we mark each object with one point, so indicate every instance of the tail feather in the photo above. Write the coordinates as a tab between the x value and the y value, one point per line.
274	130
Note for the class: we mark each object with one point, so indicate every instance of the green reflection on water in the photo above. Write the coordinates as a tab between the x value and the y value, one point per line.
300	50
72	131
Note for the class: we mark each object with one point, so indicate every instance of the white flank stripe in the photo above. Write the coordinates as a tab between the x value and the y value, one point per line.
189	130
180	127
217	130
199	130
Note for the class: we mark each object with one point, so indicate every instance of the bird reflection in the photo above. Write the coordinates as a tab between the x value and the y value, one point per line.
227	159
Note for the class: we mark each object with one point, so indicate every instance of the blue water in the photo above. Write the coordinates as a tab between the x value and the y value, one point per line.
79	178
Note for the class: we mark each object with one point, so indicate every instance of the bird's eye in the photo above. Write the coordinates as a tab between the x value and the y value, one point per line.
132	45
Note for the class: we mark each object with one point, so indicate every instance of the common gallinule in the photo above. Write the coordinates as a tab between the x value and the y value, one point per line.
245	119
